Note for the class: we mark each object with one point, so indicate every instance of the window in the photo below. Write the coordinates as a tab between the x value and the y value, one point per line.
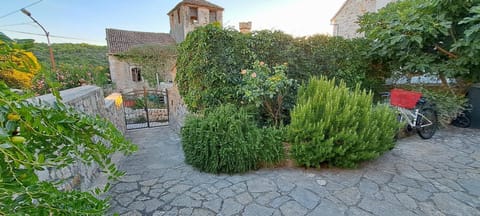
136	74
193	15
213	16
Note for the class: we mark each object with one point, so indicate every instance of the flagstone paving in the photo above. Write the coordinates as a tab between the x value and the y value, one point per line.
440	176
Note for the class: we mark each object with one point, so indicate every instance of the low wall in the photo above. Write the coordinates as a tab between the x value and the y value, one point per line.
90	100
177	109
138	115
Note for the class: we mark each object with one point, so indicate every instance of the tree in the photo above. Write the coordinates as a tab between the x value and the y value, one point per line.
17	66
434	37
36	137
77	64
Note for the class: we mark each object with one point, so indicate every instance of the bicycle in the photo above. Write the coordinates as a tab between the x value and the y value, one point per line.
415	110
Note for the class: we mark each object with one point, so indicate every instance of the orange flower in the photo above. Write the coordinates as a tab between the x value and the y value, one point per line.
262	63
243	72
254	75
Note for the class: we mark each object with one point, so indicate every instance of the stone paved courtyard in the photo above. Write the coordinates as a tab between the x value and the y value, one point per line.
440	176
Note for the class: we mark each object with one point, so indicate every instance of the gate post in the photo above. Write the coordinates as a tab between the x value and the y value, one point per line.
146	106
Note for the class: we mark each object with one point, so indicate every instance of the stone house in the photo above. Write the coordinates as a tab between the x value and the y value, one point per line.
127	76
184	18
345	20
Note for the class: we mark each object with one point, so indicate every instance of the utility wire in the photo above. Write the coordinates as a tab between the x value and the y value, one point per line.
53	36
17	24
15	11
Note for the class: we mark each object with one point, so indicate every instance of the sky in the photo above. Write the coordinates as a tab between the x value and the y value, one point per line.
85	21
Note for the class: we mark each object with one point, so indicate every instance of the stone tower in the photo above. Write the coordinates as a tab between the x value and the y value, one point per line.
189	14
245	27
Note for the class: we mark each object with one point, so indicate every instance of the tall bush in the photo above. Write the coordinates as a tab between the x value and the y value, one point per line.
208	66
210	59
226	140
322	55
335	125
271	47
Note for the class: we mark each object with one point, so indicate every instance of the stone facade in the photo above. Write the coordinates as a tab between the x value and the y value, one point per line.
176	107
345	20
125	75
184	18
120	72
190	14
90	100
245	27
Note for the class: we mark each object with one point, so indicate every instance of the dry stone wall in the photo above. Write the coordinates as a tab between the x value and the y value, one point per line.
90	100
154	115
177	109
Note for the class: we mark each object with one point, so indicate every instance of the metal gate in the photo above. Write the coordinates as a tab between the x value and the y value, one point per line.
145	108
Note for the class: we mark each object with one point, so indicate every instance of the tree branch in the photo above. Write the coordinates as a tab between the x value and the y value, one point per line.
444	51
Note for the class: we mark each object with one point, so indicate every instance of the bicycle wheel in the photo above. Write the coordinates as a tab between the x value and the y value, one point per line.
427	124
461	121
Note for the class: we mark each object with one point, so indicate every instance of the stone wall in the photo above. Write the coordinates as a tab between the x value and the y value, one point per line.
154	115
345	21
181	22
90	100
177	109
176	25
122	76
114	111
245	27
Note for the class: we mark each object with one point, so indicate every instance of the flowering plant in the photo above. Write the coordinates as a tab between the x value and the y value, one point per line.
266	87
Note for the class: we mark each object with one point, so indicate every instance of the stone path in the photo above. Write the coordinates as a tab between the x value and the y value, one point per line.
440	176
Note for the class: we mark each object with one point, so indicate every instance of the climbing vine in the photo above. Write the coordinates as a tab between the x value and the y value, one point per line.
208	66
154	60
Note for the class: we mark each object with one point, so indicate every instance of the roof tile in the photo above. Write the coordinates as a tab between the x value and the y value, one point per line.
122	40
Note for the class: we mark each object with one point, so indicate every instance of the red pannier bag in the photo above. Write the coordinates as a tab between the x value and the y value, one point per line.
404	98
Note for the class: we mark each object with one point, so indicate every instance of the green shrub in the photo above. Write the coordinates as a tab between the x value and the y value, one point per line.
331	124
448	105
271	146
267	88
227	140
208	66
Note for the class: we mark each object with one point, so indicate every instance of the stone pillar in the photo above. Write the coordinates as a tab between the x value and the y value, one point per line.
245	27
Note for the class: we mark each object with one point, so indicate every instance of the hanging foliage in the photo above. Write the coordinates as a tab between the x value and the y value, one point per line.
432	37
153	58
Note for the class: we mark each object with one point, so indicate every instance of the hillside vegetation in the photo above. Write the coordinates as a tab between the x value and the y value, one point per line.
77	64
67	53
